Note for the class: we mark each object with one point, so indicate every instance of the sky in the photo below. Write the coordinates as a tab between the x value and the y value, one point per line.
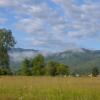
52	25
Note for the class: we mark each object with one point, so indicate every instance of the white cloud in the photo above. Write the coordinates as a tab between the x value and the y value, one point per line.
84	19
30	25
47	25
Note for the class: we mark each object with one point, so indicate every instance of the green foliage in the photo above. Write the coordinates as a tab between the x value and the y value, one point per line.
6	42
5	71
51	68
25	68
6	39
54	68
95	72
62	69
38	64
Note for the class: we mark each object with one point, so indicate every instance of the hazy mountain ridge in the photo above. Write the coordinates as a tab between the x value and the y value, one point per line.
18	54
79	59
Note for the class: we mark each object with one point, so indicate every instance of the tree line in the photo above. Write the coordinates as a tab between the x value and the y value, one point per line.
36	66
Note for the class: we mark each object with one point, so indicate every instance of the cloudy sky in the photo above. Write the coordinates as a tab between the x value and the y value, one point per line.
52	25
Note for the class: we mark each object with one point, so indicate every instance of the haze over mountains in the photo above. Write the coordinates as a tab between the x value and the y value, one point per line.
80	60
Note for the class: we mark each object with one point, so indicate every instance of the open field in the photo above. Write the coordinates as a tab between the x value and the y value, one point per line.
49	88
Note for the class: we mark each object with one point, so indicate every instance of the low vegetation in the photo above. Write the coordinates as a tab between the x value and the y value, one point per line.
49	88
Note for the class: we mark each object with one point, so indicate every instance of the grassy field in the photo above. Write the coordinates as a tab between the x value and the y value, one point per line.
49	88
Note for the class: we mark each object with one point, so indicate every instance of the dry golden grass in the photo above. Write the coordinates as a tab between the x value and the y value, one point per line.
49	88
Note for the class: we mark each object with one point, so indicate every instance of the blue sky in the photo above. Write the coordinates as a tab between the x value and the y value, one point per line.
52	25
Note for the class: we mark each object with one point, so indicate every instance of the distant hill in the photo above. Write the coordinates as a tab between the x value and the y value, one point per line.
80	60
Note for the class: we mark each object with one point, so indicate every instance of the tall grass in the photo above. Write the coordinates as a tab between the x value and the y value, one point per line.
49	88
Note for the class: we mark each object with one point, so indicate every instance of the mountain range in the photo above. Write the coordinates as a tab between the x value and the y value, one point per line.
79	60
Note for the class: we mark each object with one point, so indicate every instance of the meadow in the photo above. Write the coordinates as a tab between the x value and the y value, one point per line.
49	88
